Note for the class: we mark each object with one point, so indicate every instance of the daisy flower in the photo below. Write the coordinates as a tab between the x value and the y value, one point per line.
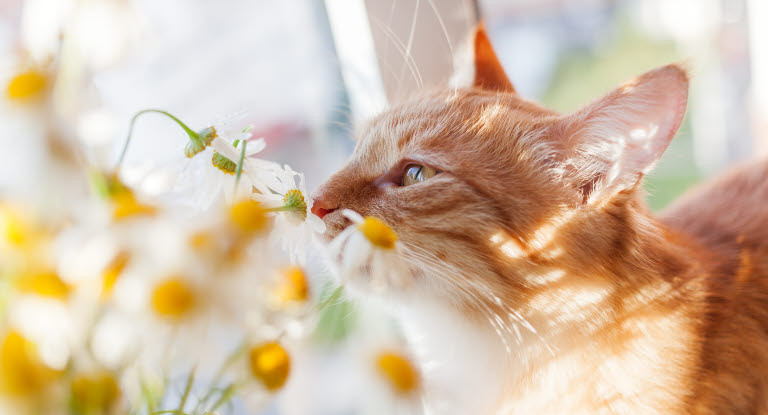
27	85
295	225
184	285
95	392
263	368
227	154
398	371
371	248
213	155
25	380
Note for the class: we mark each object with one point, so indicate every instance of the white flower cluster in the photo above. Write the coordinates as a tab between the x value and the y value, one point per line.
113	303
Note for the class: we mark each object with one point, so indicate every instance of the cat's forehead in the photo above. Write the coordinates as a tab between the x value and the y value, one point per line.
438	123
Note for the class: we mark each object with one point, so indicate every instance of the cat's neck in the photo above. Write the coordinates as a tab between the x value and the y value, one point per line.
597	330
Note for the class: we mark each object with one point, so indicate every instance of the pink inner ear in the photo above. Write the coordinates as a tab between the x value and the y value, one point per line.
620	137
659	109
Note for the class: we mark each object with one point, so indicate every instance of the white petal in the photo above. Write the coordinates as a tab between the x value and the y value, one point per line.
316	224
225	148
255	146
352	215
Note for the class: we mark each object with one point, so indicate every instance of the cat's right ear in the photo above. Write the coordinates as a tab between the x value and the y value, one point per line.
609	145
489	74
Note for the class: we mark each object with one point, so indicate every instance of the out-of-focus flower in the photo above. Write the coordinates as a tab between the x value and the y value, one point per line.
270	364
44	283
125	205
293	287
124	202
174	298
378	233
27	85
94	393
15	229
139	289
370	248
20	233
248	217
22	373
398	371
112	271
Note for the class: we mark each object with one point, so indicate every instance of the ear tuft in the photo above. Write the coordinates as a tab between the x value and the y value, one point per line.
489	74
610	144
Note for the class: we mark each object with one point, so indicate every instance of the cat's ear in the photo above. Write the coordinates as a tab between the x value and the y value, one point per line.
489	74
611	144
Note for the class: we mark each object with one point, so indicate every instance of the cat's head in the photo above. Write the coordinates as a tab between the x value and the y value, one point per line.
496	190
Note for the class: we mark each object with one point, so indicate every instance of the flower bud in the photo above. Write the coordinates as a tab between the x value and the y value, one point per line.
199	143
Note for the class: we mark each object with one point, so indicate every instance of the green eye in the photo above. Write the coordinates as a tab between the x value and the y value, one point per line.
416	173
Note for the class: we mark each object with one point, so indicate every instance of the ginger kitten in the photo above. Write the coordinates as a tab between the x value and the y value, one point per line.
541	283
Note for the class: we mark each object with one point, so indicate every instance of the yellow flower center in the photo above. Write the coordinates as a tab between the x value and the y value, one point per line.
21	371
223	163
15	229
378	233
111	272
398	371
248	216
45	284
95	392
294	285
125	205
202	241
294	200
270	364
26	85
173	299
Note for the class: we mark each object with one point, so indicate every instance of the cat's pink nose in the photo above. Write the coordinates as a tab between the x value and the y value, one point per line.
320	208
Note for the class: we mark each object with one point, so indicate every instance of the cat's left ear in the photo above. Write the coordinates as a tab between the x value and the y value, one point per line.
489	74
611	144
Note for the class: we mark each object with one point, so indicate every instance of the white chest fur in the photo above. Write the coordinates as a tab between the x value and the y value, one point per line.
463	365
468	370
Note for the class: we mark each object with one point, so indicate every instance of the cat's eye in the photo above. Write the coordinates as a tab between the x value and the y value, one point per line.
416	173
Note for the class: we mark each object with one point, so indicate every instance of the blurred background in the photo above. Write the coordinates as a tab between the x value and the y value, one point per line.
304	71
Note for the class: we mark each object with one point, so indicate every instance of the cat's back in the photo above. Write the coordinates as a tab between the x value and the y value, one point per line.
727	213
729	217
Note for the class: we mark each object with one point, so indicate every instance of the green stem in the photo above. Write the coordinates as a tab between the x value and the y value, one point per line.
331	298
239	170
192	135
285	208
187	390
147	393
225	396
232	358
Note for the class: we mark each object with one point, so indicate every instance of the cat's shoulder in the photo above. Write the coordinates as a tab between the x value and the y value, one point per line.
729	215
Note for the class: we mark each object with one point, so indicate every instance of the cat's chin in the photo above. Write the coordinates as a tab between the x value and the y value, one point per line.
335	223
